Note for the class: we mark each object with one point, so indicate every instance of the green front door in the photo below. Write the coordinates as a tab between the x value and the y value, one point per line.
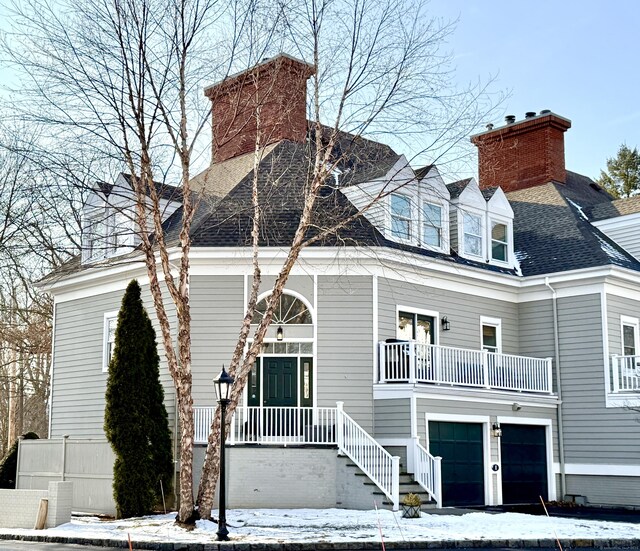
280	392
460	446
280	382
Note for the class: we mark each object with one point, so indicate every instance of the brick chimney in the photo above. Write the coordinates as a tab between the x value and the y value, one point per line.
523	154
276	89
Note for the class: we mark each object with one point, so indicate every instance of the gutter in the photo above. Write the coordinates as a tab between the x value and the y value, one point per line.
556	344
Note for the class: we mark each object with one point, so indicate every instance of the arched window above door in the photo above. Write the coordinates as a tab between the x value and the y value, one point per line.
290	310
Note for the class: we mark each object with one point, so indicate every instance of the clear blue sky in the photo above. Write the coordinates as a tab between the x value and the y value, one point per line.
579	58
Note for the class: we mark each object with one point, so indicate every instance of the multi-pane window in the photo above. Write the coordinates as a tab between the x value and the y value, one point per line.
472	228
499	241
490	338
431	224
400	216
110	323
490	334
629	345
412	326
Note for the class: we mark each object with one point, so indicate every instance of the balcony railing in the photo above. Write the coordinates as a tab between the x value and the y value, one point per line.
625	374
409	361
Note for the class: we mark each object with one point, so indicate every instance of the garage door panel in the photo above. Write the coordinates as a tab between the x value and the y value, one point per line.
524	463
460	446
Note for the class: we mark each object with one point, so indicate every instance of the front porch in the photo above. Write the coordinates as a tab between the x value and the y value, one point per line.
412	362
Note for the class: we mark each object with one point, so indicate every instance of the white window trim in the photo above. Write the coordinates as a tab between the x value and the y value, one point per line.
105	338
510	251
492	322
444	225
483	237
421	312
633	322
412	217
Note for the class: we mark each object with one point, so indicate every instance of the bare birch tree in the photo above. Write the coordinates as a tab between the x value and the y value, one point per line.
122	78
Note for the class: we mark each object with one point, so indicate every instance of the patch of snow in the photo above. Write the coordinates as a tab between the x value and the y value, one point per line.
579	209
610	250
341	525
521	255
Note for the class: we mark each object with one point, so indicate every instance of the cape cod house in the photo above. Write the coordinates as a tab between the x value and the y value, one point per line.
492	324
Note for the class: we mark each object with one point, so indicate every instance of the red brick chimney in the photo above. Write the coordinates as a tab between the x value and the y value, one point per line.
273	92
523	154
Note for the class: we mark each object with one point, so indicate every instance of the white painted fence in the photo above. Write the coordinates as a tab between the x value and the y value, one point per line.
411	362
428	472
625	374
377	463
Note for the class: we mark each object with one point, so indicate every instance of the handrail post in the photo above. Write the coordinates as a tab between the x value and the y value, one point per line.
437	490
615	364
340	426
231	437
413	459
395	482
439	353
412	361
485	368
382	362
549	375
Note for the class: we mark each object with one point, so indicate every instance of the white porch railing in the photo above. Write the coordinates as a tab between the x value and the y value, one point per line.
373	460
272	425
625	374
411	362
428	472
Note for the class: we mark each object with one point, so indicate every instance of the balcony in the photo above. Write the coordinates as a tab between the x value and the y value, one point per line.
411	362
625	374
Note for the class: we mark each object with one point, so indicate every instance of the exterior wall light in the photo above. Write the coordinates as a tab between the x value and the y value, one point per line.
279	333
496	431
446	324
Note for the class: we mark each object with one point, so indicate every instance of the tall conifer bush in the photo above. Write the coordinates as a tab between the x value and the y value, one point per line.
135	421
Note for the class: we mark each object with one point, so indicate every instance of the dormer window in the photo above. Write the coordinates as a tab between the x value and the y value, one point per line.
432	224
472	228
499	242
400	216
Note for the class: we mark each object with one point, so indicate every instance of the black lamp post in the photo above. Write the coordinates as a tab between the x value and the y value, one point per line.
222	384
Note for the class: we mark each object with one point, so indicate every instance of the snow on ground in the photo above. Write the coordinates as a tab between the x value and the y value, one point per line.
341	525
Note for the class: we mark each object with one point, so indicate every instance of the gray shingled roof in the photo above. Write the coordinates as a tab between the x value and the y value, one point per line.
619	207
456	188
552	233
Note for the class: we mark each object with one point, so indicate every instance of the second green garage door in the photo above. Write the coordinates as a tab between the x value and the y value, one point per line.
460	446
524	463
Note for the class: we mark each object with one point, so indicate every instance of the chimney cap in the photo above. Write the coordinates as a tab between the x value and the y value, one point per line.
281	57
545	111
489	126
529	114
510	119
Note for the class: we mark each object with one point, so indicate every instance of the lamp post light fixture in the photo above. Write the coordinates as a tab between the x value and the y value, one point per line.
223	383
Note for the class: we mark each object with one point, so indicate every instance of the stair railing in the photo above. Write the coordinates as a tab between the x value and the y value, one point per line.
373	460
428	471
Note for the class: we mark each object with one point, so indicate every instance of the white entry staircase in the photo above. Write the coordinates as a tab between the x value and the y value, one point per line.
291	426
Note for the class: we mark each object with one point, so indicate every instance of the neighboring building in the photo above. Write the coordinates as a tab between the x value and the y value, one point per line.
491	324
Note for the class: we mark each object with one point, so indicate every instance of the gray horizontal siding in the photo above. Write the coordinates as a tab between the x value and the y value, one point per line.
606	490
217	311
626	237
392	418
79	384
345	345
617	307
593	433
462	310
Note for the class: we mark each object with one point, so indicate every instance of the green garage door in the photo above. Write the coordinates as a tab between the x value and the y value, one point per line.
524	463
460	446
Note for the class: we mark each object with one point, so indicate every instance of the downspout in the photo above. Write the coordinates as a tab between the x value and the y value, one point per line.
556	343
